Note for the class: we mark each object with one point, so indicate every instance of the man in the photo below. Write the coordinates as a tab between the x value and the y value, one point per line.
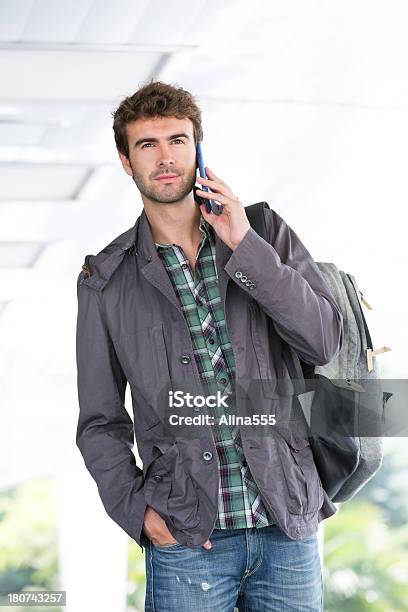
191	300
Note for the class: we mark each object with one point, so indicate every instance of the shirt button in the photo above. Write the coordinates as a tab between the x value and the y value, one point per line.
223	381
185	359
157	477
196	408
184	265
238	274
207	456
211	341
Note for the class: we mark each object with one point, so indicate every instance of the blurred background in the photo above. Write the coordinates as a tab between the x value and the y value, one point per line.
305	105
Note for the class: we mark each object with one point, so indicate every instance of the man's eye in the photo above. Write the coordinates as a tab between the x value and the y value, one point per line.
145	144
178	140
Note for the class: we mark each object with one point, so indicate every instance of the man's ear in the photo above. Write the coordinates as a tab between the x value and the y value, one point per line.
125	163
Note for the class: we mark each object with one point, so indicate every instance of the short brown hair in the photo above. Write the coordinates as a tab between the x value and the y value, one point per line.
156	99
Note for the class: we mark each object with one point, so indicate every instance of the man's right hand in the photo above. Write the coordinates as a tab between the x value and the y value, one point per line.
156	530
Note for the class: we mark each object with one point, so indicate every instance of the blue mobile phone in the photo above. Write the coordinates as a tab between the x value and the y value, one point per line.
210	205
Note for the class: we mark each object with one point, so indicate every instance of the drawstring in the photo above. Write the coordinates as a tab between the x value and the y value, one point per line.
133	250
86	271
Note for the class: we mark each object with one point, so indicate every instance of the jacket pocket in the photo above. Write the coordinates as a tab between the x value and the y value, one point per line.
305	491
169	489
144	359
161	362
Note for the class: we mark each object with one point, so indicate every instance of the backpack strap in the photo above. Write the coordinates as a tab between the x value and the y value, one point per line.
256	218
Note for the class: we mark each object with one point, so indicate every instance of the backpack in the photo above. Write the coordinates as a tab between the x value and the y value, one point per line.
343	403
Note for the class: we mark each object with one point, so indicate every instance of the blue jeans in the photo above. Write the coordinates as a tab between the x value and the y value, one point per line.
257	570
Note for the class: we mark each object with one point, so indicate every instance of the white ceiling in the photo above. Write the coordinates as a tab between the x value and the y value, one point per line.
304	105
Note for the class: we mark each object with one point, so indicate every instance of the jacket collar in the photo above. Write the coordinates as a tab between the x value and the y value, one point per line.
145	243
103	265
138	241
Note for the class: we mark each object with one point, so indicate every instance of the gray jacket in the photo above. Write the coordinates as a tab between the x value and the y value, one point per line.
131	329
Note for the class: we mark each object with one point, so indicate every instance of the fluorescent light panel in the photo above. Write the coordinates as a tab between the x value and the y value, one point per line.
41	181
19	254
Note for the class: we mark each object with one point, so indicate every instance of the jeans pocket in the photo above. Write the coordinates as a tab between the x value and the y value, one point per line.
165	546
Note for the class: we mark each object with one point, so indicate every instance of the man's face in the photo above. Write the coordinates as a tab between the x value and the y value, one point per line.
162	158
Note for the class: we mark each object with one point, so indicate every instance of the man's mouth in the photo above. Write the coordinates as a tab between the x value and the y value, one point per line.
166	178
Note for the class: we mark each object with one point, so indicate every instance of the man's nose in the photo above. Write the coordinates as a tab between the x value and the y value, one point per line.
165	155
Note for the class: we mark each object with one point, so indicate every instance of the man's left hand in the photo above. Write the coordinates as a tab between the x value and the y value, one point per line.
232	224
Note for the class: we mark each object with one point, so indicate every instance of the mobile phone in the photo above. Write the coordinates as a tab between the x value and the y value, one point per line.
210	205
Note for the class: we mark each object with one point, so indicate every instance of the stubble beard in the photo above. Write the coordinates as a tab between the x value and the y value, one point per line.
170	194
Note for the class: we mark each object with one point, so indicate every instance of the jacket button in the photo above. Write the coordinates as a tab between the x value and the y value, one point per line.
223	381
244	279
238	274
185	359
157	477
207	455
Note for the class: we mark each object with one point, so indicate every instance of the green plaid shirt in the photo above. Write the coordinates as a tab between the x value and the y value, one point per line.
239	502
